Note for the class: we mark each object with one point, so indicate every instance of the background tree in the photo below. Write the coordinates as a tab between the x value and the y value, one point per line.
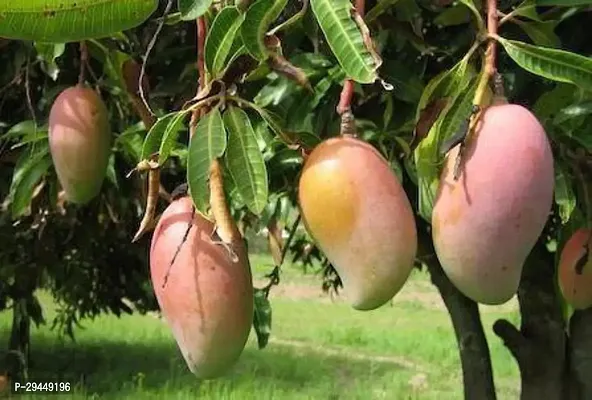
283	63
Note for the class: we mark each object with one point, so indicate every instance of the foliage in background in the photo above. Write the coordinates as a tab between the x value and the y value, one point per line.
284	87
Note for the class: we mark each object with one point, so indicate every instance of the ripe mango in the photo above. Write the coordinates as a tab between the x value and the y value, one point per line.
80	142
208	299
575	287
485	224
356	210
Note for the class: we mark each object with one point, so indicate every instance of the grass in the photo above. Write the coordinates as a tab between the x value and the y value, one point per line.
320	349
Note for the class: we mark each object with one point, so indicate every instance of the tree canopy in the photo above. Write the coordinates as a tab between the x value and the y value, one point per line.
256	86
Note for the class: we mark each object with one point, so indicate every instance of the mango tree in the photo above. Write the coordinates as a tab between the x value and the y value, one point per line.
450	136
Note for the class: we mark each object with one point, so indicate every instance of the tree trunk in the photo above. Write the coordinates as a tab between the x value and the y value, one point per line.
580	353
18	346
540	345
472	344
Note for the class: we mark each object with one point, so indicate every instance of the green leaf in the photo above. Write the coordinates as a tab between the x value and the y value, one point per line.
408	85
573	122
192	9
527	9
48	53
262	317
130	142
573	111
20	130
380	8
476	13
551	102
564	3
345	39
459	110
112	60
171	133
70	20
554	64
155	134
244	160
207	144
27	174
564	194
257	21
455	15
442	84
541	33
427	157
308	139
220	39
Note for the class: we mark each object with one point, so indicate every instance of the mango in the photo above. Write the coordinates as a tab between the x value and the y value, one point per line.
356	210
80	142
208	299
485	224
576	283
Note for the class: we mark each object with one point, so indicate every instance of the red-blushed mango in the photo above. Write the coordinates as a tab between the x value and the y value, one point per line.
80	142
485	224
208	299
575	283
354	207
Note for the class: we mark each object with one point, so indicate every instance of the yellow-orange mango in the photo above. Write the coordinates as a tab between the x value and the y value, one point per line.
208	299
80	142
355	208
485	224
575	287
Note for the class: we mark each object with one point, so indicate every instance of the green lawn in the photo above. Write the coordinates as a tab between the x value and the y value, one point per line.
320	349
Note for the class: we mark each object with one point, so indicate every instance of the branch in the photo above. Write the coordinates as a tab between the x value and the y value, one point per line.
83	61
581	351
540	345
348	86
472	344
149	49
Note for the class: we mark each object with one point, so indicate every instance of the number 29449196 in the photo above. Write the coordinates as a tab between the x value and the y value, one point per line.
44	388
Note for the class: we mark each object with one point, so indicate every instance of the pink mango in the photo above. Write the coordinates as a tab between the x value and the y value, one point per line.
80	142
577	287
485	224
208	299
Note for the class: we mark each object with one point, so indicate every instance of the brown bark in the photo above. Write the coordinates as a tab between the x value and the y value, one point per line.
580	353
472	344
539	346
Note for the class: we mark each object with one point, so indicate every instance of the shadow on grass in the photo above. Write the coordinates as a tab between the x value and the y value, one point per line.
112	368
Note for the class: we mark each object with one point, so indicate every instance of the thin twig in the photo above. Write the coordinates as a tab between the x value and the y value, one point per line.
489	71
348	86
195	114
148	50
83	62
30	101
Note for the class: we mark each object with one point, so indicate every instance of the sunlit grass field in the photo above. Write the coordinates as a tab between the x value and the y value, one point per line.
320	349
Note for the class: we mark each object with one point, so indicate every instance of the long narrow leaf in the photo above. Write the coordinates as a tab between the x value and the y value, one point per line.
207	144
24	184
257	21
170	136
220	39
554	64
192	9
155	134
345	39
244	160
70	20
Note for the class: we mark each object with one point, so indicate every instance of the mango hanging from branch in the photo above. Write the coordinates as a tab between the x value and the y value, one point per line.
80	142
208	299
355	208
485	224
